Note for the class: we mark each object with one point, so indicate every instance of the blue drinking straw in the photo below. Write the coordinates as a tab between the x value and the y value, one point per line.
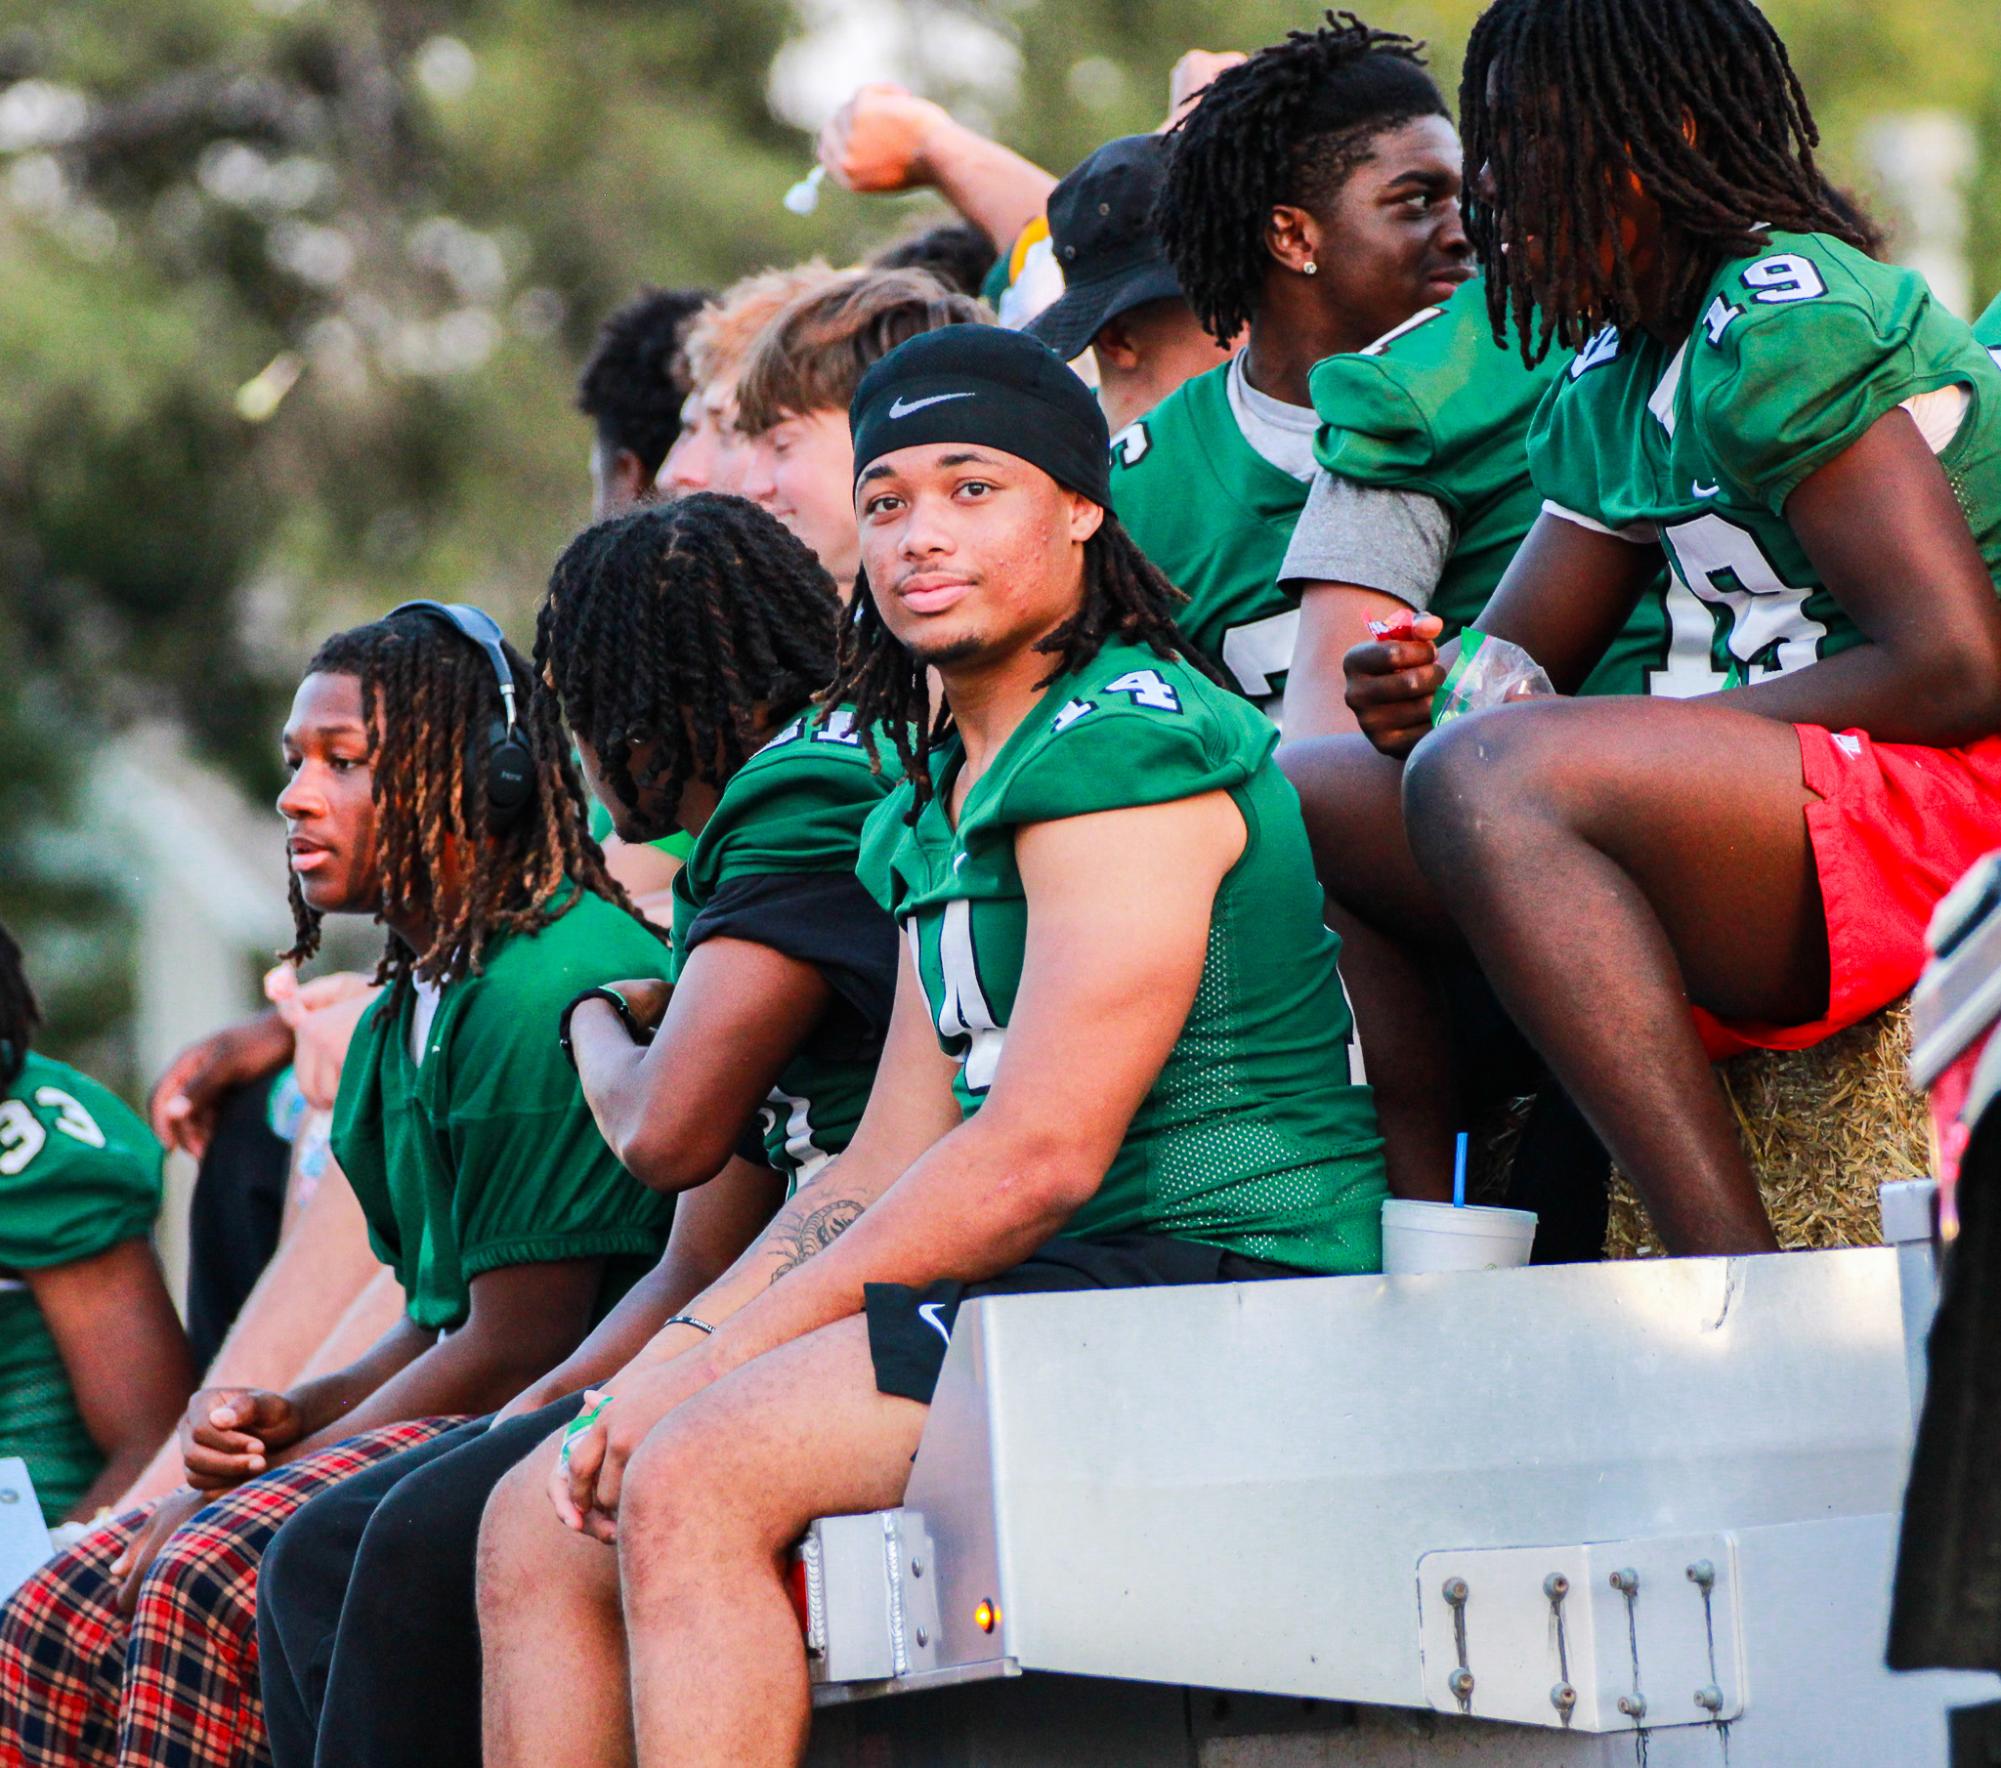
1459	1173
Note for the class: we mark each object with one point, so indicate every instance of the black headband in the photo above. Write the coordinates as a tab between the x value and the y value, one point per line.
981	385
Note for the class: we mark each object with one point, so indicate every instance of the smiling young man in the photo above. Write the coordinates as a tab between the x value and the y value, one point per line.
1056	1108
1311	197
465	1136
797	381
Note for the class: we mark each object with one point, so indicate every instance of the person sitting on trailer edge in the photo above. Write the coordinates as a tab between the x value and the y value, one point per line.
1101	1070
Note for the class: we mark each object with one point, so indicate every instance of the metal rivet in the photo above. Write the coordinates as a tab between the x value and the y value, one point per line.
917	1568
1703	1574
1563	1697
923	1638
1456	1592
1460	1682
1709	1698
1069	251
1634	1706
1556	1586
9	1496
1626	1581
1104	208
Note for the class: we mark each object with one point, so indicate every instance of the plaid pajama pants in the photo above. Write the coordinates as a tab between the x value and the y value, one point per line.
175	1685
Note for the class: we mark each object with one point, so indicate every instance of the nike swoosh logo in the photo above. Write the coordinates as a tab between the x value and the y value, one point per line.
1702	490
928	1312
900	407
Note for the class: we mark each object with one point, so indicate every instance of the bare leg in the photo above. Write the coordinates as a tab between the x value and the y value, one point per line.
1609	861
712	1504
552	1646
1390	923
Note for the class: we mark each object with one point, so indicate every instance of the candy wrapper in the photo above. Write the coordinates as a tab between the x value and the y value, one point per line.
1398	625
1488	672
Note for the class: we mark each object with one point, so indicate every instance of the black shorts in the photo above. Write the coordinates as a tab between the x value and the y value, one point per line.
910	1330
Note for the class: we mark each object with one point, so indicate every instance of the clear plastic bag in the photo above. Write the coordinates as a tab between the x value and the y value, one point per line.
1487	672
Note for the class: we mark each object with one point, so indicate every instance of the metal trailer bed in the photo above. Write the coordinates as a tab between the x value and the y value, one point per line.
1616	1513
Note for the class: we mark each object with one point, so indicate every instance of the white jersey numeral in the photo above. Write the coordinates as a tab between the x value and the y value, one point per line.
1786	277
1717	320
1259	651
1071	712
71	1118
21	1137
1129	446
1718	572
964	1012
1146	687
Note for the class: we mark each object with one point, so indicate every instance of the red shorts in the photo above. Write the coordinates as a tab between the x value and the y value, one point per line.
1896	827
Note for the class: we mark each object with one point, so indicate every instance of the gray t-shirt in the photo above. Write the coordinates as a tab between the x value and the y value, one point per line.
1394	541
1282	433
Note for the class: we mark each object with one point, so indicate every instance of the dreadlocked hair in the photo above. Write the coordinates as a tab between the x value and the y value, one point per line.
685	626
1561	98
1126	596
20	1013
1287	126
428	700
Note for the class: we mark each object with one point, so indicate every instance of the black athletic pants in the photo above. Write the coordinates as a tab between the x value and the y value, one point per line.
366	1610
239	1205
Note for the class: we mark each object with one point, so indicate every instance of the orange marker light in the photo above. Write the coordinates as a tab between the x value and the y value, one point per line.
986	1617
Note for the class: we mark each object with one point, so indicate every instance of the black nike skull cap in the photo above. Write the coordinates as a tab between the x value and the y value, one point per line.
985	387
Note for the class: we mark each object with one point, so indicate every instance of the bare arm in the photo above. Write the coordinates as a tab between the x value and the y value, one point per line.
322	1266
672	1111
1093	1022
887	139
713	1225
1888	537
1333	619
124	1352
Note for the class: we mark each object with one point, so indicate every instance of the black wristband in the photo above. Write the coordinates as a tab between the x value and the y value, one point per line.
637	1032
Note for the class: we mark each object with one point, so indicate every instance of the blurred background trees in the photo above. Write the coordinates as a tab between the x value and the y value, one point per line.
292	294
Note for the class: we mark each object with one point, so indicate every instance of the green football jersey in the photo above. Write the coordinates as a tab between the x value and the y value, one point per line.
79	1172
1254	1137
1216	517
485	1154
1436	406
795	807
1796	352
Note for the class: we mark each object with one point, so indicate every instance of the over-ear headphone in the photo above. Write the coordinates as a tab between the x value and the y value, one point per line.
502	757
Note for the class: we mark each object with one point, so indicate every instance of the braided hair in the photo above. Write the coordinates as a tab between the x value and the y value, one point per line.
683	626
20	1013
1287	126
1125	596
424	691
1561	98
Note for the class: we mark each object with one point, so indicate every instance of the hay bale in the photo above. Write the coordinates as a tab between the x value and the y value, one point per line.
1822	1129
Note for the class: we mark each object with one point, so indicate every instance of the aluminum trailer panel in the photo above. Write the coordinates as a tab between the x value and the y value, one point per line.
1245	1487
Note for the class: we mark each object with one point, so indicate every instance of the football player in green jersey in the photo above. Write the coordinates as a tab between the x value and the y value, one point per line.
1313	197
682	647
94	1366
1055	1109
412	795
1814	444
